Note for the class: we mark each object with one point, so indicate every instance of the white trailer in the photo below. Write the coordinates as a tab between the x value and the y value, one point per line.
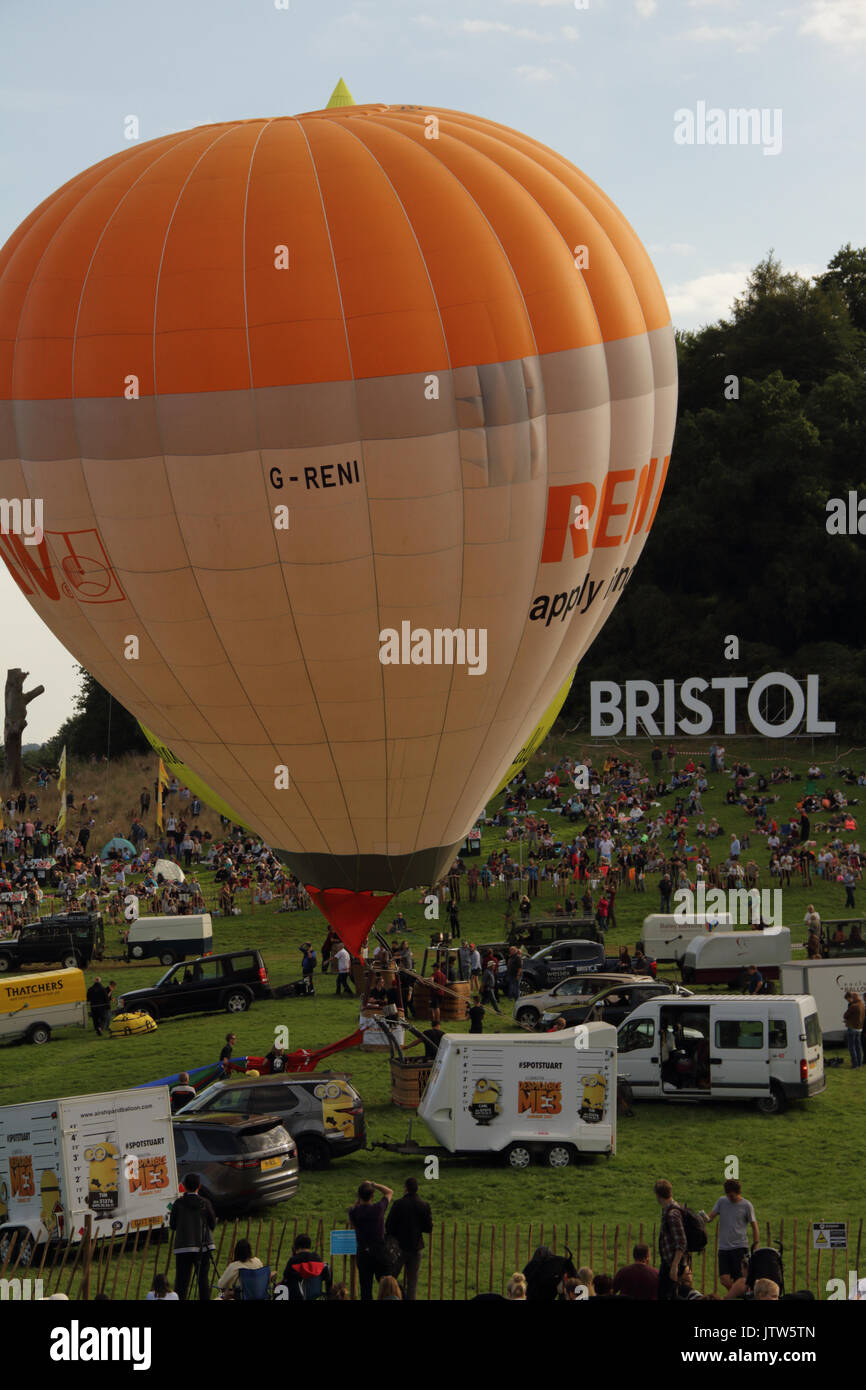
520	1095
109	1156
723	957
827	981
666	938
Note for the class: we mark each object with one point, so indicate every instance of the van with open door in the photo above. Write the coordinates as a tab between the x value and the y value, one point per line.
765	1048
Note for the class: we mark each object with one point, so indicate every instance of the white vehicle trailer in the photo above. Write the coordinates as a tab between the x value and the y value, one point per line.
664	938
827	981
723	957
519	1095
108	1156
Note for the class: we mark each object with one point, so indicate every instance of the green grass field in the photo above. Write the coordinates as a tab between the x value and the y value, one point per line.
803	1163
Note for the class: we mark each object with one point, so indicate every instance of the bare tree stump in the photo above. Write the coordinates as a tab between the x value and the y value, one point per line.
16	722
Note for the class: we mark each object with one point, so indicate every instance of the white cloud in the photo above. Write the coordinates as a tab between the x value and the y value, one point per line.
836	21
570	32
528	73
495	26
646	8
672	248
745	37
707	297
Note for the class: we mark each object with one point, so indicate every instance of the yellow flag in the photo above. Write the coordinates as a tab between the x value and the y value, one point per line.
61	787
162	781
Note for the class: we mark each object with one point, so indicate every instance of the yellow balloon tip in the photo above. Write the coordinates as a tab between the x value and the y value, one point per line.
340	96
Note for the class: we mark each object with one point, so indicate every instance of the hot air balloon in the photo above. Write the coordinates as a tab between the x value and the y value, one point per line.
318	406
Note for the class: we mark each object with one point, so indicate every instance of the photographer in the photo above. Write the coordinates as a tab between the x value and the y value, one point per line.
192	1219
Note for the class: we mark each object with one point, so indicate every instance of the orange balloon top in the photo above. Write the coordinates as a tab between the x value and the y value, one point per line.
348	243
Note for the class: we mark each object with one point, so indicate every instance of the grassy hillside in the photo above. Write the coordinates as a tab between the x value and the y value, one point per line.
780	1158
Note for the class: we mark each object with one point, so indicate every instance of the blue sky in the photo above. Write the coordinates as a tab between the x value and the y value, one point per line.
600	84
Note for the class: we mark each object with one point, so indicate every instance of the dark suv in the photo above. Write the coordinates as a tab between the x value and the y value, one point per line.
230	981
323	1113
69	939
242	1161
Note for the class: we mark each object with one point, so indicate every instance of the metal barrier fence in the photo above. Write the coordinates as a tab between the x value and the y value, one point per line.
461	1258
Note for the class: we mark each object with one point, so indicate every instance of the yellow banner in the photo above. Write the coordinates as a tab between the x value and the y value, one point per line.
188	778
61	787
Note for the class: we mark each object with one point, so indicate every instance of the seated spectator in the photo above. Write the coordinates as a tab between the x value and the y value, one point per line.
306	1275
242	1258
160	1291
639	1280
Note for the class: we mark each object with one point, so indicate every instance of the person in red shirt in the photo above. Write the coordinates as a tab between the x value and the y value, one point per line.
439	982
638	1280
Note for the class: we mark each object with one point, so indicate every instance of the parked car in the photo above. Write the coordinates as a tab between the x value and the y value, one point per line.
70	939
547	967
574	990
611	1005
229	981
243	1160
323	1112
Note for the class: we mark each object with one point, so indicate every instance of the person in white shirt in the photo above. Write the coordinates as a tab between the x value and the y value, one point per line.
160	1291
344	961
242	1258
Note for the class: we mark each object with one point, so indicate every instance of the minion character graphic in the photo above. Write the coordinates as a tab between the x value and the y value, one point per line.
485	1102
337	1102
51	1207
103	1178
592	1107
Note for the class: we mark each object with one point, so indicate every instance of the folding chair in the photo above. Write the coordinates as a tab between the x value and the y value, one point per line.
253	1285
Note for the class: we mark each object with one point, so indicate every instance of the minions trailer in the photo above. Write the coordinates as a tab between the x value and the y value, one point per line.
542	1096
109	1156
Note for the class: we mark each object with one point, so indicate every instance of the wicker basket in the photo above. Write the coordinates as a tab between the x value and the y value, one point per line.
454	1005
408	1081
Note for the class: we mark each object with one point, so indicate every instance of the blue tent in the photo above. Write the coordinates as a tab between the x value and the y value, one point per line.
120	846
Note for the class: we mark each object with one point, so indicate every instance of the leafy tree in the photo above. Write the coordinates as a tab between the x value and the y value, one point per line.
100	726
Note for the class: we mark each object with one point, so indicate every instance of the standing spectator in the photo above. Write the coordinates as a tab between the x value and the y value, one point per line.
755	983
226	1054
474	965
100	1005
488	987
665	890
438	984
853	1018
192	1219
144	801
848	882
367	1219
344	961
735	1216
308	968
672	757
638	1280
673	1251
514	970
476	1015
409	1220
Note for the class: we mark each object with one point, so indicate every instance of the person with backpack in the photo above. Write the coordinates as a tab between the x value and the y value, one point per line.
735	1215
673	1245
306	1275
409	1220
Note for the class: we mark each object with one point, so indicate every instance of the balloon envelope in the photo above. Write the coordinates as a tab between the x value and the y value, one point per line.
294	390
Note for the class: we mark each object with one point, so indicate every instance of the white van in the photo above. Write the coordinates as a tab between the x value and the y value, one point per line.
170	938
763	1047
664	938
31	1006
827	981
722	957
525	1094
